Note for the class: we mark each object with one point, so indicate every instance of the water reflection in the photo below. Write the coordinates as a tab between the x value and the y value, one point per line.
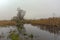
30	32
51	29
4	32
22	31
43	32
38	33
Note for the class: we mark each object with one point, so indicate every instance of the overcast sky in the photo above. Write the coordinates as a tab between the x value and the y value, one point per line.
35	9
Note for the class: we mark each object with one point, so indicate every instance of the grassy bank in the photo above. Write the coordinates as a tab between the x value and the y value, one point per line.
7	22
54	21
35	22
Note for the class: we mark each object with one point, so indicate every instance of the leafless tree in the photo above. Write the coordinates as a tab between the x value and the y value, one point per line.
20	14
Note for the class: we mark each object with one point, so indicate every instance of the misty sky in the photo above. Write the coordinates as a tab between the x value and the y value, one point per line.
35	9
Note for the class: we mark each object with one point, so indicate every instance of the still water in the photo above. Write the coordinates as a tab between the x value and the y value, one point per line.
37	32
40	33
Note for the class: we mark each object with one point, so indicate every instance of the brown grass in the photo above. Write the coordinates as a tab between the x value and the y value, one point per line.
45	21
3	23
35	22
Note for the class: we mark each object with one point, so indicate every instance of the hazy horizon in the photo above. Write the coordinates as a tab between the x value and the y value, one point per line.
35	9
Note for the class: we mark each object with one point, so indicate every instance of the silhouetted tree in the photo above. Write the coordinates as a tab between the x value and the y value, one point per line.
19	20
20	14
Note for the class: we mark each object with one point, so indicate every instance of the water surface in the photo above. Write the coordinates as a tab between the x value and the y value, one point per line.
38	32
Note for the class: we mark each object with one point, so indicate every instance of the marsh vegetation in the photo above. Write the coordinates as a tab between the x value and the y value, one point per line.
19	28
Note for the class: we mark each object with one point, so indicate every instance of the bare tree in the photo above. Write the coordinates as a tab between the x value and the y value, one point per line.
20	14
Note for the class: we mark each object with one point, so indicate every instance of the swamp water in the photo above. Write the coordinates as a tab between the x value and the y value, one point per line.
36	32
